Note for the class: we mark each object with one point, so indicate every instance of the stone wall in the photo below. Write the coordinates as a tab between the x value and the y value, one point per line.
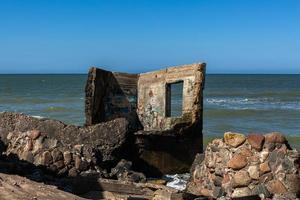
239	166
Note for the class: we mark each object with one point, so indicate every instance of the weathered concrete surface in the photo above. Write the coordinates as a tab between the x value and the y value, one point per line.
165	144
106	142
166	153
109	95
152	97
169	144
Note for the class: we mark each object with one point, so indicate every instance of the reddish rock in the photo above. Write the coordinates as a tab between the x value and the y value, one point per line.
241	178
206	192
274	138
256	141
34	134
238	161
276	187
264	167
226	179
246	152
234	139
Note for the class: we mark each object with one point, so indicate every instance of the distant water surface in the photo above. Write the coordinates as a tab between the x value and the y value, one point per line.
243	103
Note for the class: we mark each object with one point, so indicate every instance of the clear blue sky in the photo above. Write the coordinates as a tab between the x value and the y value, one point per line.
68	36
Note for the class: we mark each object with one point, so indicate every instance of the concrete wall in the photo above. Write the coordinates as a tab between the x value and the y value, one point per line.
109	95
152	96
163	144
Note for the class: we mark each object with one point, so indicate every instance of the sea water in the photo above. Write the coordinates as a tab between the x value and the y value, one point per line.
242	103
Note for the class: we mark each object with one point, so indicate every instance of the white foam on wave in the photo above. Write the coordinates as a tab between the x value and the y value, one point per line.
253	103
37	116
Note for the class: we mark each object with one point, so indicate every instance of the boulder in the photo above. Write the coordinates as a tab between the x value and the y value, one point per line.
264	167
122	171
234	139
241	178
238	161
274	137
256	141
276	187
57	146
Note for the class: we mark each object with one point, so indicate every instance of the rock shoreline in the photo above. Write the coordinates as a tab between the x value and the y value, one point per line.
94	161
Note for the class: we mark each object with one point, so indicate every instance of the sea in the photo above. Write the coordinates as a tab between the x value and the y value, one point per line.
232	102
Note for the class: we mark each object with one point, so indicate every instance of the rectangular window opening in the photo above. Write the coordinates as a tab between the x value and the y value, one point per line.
174	99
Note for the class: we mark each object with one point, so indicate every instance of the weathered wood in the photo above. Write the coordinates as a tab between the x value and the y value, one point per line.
120	187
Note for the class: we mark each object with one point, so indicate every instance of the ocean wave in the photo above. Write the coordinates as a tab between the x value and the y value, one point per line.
252	103
56	109
37	116
254	93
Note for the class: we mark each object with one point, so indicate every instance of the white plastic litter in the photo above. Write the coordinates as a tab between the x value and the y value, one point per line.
177	181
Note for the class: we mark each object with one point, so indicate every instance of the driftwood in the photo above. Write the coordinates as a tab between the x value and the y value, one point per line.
128	190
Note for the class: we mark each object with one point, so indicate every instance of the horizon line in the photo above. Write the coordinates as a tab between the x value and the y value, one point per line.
138	73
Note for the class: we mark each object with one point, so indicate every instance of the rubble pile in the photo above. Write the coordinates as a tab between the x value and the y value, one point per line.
239	166
65	149
37	148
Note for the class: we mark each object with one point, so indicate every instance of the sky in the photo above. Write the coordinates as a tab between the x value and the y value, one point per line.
69	36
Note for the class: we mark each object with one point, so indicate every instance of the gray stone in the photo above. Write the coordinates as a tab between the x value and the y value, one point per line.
292	183
217	192
261	189
57	155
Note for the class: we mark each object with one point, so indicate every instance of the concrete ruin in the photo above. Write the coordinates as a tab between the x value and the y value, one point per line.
166	141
